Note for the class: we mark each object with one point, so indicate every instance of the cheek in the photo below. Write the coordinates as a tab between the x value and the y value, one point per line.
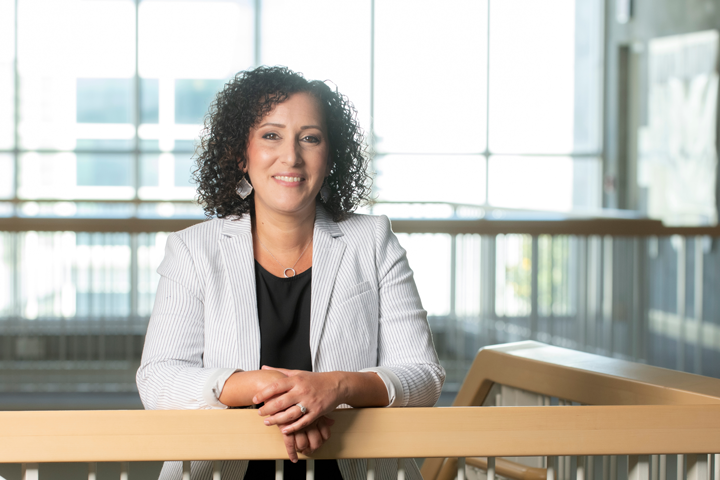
255	157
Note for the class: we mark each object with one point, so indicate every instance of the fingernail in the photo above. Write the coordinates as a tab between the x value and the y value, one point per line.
255	400
267	422
286	431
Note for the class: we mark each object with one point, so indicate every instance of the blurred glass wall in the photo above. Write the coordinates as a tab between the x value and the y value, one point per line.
467	105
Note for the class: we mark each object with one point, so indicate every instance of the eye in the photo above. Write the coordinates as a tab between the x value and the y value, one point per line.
311	139
271	136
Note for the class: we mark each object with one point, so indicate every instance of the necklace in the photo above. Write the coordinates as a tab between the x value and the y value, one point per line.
285	270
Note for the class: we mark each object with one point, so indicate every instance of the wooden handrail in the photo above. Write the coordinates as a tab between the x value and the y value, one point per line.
572	226
111	436
506	468
578	376
581	377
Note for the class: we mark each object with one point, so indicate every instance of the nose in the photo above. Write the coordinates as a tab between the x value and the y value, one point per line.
292	156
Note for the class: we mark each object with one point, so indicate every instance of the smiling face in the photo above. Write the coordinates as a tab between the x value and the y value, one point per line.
287	156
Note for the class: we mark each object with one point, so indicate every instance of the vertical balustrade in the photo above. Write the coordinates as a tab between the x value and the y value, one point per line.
568	467
550	461
638	467
605	467
580	468
491	468
680	467
279	469
92	471
716	466
697	467
217	470
30	471
371	465
460	469
663	467
125	471
401	469
654	467
186	471
310	469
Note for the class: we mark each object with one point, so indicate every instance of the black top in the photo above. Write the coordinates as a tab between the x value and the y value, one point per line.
284	314
284	311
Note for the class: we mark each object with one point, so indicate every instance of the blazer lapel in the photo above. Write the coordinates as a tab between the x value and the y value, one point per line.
236	248
328	251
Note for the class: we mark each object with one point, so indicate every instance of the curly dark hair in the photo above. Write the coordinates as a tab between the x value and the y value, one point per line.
240	105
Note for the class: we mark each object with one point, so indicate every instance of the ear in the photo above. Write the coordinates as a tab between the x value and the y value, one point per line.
242	166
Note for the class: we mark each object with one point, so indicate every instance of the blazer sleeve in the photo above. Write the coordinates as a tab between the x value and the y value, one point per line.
171	374
406	353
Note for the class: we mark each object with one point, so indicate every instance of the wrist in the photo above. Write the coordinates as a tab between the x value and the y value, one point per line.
343	387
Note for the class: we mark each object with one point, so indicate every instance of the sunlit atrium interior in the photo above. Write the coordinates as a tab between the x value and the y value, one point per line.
550	167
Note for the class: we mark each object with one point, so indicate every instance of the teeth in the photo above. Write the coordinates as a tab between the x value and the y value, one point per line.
288	179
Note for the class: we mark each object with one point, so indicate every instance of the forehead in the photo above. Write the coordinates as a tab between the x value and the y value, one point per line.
301	107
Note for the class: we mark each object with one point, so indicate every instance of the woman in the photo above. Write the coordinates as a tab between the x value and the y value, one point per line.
286	299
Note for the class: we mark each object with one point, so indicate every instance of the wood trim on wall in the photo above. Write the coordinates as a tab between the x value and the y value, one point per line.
581	227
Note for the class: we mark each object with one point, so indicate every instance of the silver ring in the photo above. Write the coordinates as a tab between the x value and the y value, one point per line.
303	410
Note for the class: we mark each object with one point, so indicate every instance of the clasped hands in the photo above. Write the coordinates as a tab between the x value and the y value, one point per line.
319	393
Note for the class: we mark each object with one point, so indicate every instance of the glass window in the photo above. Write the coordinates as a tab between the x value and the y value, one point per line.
7	74
325	40
430	76
545	60
107	169
192	99
513	282
69	176
545	183
166	176
7	167
431	272
195	39
105	100
90	40
188	49
149	100
7	277
430	178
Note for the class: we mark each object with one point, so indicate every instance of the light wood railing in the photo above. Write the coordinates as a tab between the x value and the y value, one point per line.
578	377
121	436
639	411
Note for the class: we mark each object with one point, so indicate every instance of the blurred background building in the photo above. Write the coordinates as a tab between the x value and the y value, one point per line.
502	110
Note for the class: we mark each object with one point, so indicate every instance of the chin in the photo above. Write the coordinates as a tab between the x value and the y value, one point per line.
291	207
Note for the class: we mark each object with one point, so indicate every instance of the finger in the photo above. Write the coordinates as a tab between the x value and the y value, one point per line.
314	438
302	442
324	425
284	417
279	403
300	424
289	441
274	389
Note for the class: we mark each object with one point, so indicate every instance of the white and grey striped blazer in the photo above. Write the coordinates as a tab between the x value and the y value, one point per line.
365	315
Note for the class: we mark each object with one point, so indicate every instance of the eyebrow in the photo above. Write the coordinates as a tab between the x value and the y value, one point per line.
280	125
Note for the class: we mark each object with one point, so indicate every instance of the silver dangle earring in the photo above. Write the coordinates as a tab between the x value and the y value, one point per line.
325	193
244	189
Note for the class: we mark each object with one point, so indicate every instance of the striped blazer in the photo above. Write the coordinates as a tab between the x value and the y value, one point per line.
365	315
